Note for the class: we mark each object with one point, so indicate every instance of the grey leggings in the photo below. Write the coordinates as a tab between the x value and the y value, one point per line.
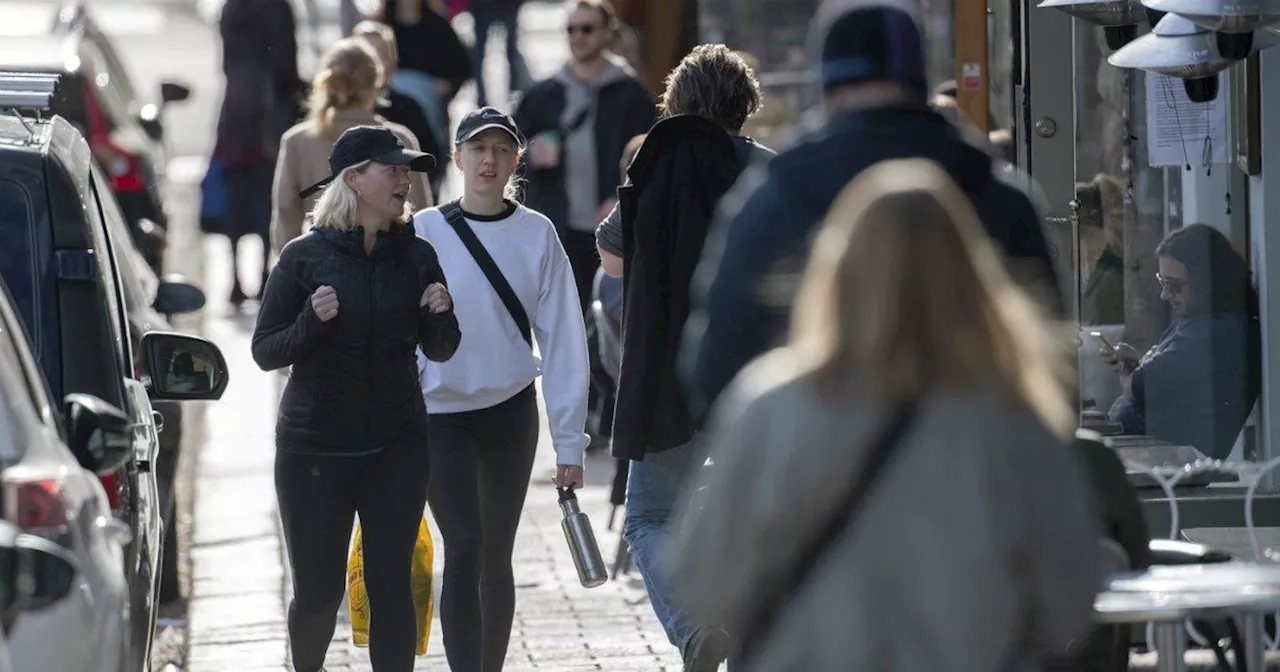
481	462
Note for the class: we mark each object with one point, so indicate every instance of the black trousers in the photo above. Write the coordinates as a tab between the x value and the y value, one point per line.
319	498
481	462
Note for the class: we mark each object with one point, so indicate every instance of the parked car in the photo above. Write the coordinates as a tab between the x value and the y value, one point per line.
49	492
141	287
125	129
61	262
35	574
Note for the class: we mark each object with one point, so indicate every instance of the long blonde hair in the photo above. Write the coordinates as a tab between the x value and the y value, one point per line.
338	206
906	294
349	75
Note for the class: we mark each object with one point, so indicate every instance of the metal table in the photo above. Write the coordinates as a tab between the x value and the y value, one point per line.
1167	596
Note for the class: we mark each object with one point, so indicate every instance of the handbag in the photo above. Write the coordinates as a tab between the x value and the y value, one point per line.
761	620
452	212
213	198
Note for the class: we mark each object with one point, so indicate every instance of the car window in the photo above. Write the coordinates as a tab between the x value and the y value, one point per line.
19	417
115	104
109	274
33	379
17	246
137	280
111	63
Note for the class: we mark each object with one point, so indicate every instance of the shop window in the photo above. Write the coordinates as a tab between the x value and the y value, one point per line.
1172	293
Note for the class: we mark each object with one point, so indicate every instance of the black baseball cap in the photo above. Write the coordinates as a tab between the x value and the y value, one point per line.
370	143
484	119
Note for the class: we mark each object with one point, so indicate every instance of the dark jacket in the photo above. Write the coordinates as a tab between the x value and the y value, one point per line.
624	109
1106	648
354	384
759	245
685	165
405	111
1198	385
431	46
263	95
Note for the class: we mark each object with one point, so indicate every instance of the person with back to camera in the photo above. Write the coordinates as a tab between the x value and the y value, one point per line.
909	412
484	411
345	307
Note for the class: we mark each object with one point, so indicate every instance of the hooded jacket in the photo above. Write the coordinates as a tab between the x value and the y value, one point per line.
354	387
685	165
759	245
620	108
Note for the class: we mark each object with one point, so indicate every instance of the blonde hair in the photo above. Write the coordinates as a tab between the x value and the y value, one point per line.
379	30
339	205
905	293
349	75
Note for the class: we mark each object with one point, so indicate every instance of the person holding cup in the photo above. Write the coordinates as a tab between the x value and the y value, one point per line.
578	122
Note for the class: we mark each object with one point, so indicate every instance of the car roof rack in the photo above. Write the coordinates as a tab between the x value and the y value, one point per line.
27	91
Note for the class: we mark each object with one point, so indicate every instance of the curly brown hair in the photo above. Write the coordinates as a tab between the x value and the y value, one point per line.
714	82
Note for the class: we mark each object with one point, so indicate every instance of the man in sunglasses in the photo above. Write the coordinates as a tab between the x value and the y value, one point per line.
578	122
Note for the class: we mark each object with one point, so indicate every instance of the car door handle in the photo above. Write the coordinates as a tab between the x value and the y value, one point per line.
158	417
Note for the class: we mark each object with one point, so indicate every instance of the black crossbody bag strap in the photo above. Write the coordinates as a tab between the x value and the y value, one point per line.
768	610
452	212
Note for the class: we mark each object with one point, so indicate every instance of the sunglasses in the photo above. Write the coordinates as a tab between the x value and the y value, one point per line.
1171	285
583	28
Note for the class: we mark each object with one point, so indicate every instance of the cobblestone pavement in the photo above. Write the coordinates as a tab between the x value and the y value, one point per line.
239	585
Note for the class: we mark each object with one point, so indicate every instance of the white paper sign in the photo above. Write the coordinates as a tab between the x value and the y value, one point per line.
1180	132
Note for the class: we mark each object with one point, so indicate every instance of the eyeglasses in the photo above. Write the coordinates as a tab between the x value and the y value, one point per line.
1171	285
584	28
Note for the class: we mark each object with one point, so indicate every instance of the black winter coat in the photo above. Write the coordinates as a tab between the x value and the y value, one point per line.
685	165
354	385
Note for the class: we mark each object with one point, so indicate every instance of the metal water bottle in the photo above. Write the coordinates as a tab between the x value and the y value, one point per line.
582	541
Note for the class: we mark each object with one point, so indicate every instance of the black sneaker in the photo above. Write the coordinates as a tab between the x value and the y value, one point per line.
708	649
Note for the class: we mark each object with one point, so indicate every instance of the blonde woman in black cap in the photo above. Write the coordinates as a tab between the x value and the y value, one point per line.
345	307
516	284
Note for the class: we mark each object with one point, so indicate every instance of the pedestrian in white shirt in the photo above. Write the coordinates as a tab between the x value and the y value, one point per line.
512	282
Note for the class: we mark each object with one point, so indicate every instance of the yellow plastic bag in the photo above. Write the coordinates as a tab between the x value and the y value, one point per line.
423	601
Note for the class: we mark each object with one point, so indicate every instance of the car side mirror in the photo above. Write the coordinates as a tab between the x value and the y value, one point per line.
173	92
35	573
177	297
181	367
99	434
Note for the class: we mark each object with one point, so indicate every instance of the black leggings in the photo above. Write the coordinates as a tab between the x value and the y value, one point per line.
319	497
481	462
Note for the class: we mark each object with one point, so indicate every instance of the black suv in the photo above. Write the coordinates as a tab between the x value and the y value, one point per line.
61	262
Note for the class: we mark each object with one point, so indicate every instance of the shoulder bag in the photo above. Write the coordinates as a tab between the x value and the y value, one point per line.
452	212
767	611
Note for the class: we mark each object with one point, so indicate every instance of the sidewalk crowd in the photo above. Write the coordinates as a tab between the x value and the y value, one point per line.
833	358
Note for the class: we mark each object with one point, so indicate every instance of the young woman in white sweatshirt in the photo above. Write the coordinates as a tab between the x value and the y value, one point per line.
483	408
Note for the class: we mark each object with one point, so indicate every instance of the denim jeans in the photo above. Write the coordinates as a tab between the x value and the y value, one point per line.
653	489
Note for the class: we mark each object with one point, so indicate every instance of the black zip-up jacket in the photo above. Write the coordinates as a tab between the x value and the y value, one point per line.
354	385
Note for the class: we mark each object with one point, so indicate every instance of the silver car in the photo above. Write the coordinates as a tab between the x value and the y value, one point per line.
47	492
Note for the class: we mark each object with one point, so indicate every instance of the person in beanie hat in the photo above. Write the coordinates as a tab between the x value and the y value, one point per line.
870	61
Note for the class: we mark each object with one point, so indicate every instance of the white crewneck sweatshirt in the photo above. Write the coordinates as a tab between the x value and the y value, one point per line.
493	361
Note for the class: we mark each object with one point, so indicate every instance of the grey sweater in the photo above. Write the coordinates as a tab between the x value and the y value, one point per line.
977	548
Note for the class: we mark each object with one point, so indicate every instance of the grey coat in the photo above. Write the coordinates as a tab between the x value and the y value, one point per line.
977	549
